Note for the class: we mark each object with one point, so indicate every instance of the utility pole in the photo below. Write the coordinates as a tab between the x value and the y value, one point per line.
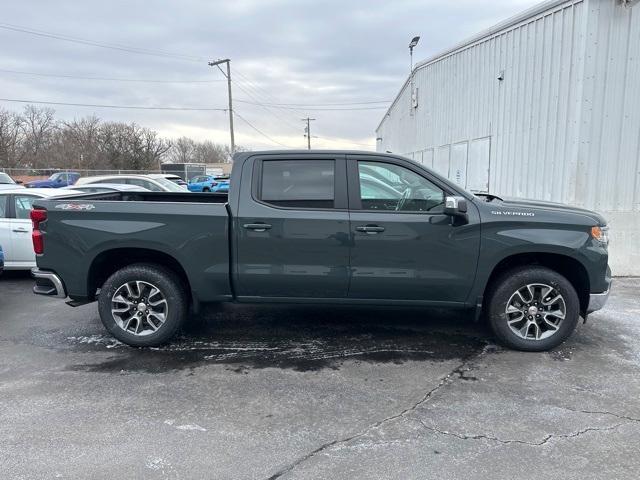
228	75
307	131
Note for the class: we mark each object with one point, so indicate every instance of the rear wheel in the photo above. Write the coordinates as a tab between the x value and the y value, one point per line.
143	305
533	309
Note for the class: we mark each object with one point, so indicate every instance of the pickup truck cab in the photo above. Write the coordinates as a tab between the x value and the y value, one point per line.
324	227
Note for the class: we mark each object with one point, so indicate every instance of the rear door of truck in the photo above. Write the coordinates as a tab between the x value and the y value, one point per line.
292	227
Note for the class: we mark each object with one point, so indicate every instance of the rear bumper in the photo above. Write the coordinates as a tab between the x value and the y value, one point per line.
48	283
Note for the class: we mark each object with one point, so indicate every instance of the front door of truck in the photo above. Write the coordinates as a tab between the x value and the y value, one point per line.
404	247
292	228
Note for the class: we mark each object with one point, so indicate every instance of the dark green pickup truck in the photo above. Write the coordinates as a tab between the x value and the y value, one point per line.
324	227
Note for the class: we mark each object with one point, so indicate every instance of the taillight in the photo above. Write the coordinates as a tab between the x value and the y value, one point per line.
37	217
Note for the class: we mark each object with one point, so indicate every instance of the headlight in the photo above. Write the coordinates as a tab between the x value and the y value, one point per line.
601	234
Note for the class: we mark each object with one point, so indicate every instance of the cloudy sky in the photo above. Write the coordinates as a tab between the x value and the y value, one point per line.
290	59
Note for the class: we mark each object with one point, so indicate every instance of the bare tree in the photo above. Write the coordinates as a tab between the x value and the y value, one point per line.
39	125
210	152
35	139
83	138
11	138
183	150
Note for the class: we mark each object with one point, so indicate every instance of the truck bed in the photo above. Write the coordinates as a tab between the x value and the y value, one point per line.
84	232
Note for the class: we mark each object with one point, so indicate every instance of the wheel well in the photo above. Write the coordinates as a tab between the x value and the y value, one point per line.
568	267
107	263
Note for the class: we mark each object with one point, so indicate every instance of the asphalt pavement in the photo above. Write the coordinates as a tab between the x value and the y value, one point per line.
260	392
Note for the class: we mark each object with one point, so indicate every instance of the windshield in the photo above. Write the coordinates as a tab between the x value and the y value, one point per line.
4	178
55	176
172	187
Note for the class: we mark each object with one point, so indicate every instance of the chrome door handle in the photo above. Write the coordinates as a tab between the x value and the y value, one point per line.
257	227
20	230
370	229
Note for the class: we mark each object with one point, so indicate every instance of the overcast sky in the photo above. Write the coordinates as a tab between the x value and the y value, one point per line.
282	52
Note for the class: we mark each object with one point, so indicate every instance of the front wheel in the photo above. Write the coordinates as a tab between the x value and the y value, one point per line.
533	309
206	189
143	305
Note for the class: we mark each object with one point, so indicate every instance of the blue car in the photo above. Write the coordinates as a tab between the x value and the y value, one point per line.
209	183
57	180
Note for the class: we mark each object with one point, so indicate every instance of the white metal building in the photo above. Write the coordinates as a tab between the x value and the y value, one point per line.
545	105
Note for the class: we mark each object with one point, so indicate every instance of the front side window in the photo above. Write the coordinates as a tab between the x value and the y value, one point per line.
390	187
23	204
298	183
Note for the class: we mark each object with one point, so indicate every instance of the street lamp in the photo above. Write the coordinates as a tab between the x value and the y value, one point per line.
412	45
414	42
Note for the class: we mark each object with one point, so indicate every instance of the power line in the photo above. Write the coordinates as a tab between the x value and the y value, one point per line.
256	91
112	46
128	107
141	80
264	107
326	104
344	141
315	109
235	112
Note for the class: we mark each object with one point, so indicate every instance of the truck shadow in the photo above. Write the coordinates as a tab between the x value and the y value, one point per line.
302	338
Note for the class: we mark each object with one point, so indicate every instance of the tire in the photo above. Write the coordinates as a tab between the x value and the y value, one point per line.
206	190
522	292
133	312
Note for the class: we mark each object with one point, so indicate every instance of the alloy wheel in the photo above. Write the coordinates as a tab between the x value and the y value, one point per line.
535	311
139	308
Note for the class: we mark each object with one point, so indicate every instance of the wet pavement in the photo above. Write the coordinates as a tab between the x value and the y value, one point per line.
259	392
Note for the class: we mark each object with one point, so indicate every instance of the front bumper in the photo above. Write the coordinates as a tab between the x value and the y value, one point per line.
597	301
48	283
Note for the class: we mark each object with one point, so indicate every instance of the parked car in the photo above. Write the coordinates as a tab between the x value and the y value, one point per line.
57	180
107	187
1	260
209	183
15	224
172	177
6	182
306	227
153	183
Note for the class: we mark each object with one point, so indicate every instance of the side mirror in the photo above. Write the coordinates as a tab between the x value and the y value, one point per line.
455	206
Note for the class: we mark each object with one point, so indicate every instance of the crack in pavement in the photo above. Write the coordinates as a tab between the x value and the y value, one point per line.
597	412
544	441
456	373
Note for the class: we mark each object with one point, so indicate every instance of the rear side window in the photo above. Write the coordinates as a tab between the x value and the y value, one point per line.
3	206
23	204
298	183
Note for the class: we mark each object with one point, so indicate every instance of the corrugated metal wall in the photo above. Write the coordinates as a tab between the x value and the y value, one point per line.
563	123
608	168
